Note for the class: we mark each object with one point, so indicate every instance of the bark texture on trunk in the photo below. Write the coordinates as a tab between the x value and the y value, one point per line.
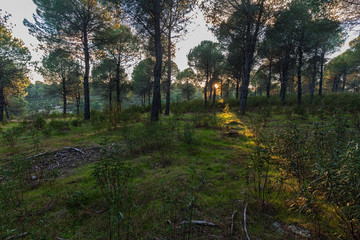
63	82
7	112
168	84
86	77
2	104
118	88
285	75
322	62
251	41
206	86
313	82
158	65
299	69
268	85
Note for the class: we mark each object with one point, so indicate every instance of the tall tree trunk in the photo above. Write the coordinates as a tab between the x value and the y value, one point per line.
268	85
285	76
312	89
110	97
322	62
299	69
251	41
221	89
214	97
86	77
210	89
206	86
63	82
158	65
344	80
7	112
149	97
168	84
188	90
237	87
2	104
78	102
117	82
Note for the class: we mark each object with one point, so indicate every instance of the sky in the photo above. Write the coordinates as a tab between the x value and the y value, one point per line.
20	9
198	31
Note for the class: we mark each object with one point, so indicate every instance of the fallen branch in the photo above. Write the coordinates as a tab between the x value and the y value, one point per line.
39	155
246	232
17	236
201	223
232	222
75	149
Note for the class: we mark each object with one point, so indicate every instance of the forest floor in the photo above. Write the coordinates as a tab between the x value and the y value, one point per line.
195	178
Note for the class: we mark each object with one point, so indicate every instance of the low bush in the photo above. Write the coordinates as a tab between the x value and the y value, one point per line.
59	126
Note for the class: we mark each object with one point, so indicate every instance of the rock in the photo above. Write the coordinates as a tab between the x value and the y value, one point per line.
300	231
278	227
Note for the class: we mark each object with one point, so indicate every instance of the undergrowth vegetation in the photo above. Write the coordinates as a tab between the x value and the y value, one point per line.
281	166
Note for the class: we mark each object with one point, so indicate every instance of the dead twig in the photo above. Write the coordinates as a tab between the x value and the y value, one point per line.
246	232
201	223
232	222
17	236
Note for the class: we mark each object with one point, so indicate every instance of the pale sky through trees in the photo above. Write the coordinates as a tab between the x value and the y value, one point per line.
20	9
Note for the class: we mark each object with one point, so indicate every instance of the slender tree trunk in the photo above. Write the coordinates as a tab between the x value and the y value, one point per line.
214	97
158	65
313	82
210	89
285	75
344	80
299	70
149	97
206	86
322	62
7	112
2	104
221	89
86	77
110	97
63	82
188	90
78	103
268	85
237	87
117	82
168	84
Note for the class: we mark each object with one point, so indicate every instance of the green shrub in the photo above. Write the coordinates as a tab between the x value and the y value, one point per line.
76	201
59	126
11	136
39	123
76	122
98	120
